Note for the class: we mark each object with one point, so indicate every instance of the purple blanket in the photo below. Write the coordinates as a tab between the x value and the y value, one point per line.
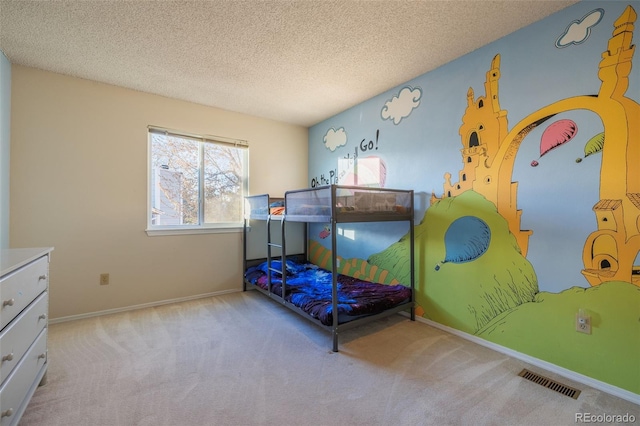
309	288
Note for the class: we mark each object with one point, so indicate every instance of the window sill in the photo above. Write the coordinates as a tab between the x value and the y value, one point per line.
192	231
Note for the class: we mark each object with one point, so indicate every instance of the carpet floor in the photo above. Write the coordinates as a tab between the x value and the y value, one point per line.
241	359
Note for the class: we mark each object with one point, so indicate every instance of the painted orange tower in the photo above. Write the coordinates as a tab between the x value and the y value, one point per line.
610	252
483	131
489	150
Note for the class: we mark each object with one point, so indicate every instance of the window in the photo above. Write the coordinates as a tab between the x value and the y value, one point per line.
196	183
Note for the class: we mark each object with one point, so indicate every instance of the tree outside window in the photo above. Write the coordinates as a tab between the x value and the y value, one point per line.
195	182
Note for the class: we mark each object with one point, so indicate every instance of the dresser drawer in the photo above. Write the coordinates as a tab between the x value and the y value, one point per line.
16	338
22	381
19	288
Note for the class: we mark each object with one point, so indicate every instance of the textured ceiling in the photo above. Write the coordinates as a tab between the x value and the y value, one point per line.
293	61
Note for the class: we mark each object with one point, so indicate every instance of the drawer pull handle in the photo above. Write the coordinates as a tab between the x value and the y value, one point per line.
8	357
42	355
9	302
7	413
42	277
42	316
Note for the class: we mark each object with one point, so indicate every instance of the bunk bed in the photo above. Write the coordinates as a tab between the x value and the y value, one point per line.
308	289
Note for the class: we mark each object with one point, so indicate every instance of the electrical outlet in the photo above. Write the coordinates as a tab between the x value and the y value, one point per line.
583	322
104	279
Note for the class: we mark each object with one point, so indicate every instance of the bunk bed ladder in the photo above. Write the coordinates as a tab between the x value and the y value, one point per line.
283	257
271	245
244	251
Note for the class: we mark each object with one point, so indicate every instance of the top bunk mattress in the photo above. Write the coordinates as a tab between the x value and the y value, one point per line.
309	288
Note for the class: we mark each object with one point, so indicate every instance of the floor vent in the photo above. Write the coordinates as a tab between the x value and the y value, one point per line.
551	384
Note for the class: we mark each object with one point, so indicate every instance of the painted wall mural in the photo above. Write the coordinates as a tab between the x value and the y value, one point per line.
541	218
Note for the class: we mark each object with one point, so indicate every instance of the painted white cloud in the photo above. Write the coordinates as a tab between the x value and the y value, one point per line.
578	31
335	138
401	106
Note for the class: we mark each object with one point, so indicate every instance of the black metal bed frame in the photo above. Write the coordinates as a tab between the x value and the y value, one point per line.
334	218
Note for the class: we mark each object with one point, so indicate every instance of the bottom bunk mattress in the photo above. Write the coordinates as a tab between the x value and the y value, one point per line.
309	287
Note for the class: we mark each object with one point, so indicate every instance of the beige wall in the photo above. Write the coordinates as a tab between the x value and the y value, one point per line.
79	184
5	114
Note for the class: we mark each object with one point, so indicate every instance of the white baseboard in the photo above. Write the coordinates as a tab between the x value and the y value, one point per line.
572	375
134	307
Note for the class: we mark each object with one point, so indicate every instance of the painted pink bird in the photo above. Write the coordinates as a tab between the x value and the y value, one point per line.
325	232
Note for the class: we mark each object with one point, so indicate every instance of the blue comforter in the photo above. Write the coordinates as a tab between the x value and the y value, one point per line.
309	287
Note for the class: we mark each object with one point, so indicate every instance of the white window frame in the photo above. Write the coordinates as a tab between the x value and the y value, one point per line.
202	228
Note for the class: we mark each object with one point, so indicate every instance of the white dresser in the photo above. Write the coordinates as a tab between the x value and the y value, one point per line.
24	305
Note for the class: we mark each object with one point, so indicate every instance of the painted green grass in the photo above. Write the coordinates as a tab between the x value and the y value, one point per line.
545	329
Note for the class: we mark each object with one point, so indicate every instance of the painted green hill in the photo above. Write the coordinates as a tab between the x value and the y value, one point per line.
545	329
467	294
